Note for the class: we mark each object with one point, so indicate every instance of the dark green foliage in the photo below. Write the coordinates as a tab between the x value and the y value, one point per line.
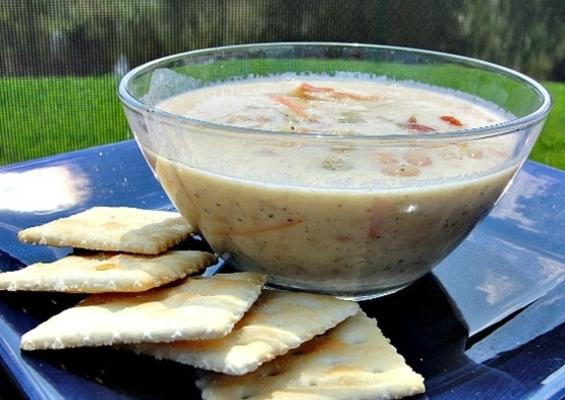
79	37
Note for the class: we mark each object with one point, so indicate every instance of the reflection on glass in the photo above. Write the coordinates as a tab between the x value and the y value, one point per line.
43	189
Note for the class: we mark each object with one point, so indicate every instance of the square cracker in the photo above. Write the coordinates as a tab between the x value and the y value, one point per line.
276	323
198	308
124	229
106	272
352	361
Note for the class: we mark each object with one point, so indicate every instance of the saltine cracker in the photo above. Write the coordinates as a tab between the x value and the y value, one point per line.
277	322
352	361
120	229
198	308
106	272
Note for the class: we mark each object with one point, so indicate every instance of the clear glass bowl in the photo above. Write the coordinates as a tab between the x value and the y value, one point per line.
334	236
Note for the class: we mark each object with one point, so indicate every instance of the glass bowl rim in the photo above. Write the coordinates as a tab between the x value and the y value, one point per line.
502	128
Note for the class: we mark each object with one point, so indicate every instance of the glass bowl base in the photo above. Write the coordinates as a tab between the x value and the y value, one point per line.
347	295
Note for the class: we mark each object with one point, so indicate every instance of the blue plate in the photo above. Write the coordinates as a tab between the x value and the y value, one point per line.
488	323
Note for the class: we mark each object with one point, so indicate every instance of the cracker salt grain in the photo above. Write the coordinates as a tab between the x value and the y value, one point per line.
352	361
198	308
276	323
106	272
122	229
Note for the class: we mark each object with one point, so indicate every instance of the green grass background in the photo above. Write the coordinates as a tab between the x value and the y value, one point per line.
550	146
45	116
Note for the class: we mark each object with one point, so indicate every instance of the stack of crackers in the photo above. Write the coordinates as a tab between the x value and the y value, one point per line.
250	343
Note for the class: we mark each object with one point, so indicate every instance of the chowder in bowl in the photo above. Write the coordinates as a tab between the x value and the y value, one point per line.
343	169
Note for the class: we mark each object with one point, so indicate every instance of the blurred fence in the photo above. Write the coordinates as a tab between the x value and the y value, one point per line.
84	37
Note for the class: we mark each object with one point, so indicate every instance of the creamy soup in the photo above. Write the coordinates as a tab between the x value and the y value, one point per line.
346	217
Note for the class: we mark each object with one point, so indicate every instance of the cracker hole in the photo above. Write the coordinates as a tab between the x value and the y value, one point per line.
246	394
333	360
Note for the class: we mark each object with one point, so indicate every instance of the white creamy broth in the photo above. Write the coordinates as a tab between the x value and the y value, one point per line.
359	108
340	107
341	217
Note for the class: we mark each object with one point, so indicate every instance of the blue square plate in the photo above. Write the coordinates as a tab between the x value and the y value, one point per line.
488	323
